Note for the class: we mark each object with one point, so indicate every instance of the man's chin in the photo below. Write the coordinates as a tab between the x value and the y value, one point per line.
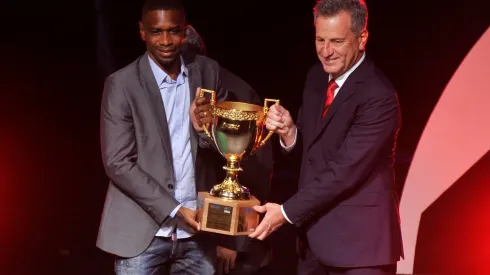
165	61
330	69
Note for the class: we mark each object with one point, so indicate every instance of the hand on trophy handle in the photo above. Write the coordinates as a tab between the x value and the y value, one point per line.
279	121
200	111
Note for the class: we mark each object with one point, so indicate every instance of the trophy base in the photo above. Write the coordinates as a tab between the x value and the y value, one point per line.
225	216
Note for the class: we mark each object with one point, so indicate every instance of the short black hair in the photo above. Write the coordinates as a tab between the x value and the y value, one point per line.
152	5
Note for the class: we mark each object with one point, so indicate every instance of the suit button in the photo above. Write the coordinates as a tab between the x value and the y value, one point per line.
310	161
170	186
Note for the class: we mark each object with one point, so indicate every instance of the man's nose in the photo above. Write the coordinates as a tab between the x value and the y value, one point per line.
326	50
165	39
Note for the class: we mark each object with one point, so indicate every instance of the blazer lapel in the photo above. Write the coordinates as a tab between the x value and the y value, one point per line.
319	100
195	81
345	92
151	87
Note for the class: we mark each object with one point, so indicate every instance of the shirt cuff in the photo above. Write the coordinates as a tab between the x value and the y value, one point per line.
290	147
285	216
172	214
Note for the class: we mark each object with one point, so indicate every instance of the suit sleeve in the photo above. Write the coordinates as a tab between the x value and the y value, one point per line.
119	155
375	126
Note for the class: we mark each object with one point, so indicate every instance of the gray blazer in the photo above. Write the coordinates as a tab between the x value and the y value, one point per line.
137	154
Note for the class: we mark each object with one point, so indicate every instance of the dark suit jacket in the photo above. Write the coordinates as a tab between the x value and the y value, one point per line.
346	199
136	153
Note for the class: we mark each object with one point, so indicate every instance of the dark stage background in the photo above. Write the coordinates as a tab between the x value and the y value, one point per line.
54	58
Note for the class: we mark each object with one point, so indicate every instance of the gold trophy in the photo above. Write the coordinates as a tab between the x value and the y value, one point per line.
236	131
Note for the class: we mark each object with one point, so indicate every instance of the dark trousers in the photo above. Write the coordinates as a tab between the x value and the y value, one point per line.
252	260
308	264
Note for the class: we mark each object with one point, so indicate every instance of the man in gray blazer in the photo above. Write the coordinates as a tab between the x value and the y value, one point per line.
151	139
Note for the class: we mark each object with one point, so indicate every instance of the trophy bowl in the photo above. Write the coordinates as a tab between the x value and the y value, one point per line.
236	131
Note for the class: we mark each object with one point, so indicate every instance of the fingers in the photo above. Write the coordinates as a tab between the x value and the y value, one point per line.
263	225
273	125
232	263
198	91
193	224
259	230
190	219
192	227
203	111
278	119
281	109
260	208
203	108
220	265
226	265
274	120
202	101
275	117
263	235
278	110
274	109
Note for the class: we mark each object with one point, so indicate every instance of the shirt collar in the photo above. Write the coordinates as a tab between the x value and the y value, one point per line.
163	79
341	79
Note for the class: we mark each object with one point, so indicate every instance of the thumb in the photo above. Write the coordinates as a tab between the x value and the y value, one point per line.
194	225
279	108
198	91
260	208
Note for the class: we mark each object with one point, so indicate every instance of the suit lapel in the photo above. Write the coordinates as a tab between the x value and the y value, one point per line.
195	81
345	92
151	87
319	100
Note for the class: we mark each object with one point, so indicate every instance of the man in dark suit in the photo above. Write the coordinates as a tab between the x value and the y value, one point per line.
237	255
152	140
346	130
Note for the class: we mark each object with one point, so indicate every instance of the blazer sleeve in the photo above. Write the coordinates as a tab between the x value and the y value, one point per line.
375	126
119	155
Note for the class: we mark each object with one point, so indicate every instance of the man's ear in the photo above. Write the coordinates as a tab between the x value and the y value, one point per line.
142	31
363	38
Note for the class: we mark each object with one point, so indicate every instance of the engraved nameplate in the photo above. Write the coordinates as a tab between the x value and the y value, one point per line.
219	217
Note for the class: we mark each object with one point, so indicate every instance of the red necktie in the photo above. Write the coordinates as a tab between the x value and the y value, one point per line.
332	85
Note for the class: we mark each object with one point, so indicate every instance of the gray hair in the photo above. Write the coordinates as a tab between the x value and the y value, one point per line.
356	8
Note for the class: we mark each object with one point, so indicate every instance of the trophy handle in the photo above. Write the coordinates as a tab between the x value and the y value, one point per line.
213	102
269	134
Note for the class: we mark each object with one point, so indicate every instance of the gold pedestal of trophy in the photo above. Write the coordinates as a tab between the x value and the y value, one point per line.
236	131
